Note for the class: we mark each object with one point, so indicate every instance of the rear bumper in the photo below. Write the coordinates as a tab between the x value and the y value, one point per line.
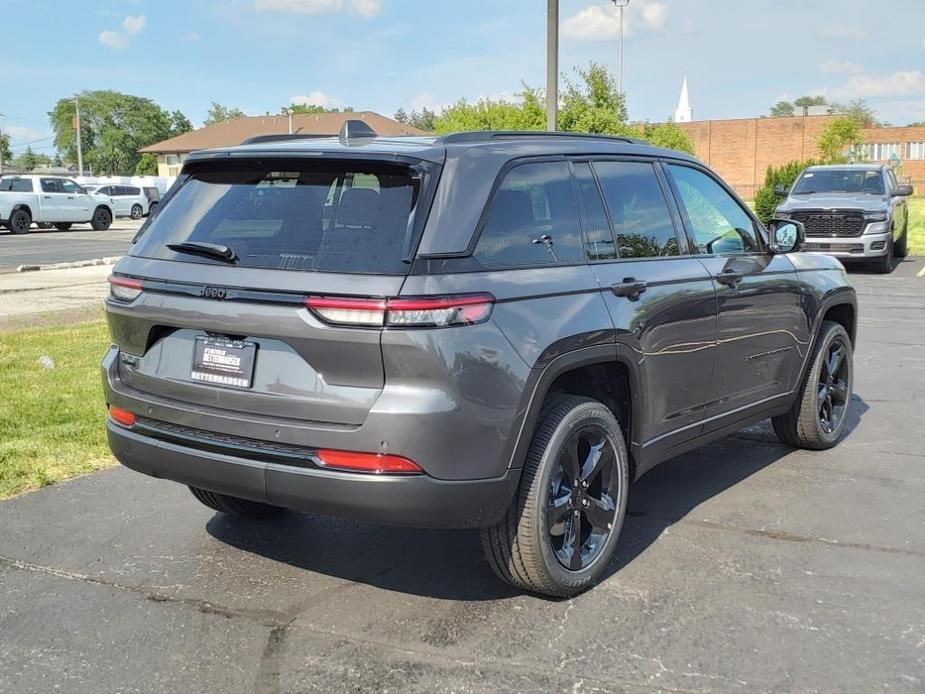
867	246
413	500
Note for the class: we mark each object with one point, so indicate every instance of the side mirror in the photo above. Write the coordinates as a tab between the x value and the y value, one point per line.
903	190
787	236
780	190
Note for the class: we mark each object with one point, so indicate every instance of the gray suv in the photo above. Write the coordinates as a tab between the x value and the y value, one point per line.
853	212
483	330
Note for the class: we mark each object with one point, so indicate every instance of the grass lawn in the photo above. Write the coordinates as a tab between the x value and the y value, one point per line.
52	421
917	226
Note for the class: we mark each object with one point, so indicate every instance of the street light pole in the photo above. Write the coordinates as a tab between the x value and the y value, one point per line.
552	64
620	4
80	154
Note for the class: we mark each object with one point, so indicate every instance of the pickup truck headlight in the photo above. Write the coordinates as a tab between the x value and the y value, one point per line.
876	216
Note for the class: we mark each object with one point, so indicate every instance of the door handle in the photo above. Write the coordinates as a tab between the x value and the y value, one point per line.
47	197
70	197
730	278
630	287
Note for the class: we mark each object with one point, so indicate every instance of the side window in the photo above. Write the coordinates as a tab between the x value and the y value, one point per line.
638	209
599	244
891	180
131	190
70	187
16	185
51	185
718	222
533	219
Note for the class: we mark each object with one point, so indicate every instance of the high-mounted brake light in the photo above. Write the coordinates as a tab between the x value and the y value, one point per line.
376	463
120	416
124	288
419	312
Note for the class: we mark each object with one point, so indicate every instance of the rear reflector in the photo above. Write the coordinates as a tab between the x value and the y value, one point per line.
124	288
120	416
422	312
376	463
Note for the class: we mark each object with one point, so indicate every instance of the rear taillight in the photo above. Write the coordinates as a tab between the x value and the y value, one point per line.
120	416
376	463
422	312
124	288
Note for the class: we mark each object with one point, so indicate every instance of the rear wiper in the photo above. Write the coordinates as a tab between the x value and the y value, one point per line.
212	250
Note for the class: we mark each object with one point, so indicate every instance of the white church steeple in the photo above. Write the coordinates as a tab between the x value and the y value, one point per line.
684	113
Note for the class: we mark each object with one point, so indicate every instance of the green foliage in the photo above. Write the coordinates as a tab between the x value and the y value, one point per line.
219	114
423	120
5	151
301	109
837	137
28	160
859	110
806	101
668	135
147	165
766	201
782	109
114	127
179	123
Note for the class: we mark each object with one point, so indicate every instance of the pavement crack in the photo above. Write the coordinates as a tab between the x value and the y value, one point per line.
270	618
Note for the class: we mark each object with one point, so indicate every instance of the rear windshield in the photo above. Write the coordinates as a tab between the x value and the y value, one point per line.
314	216
840	181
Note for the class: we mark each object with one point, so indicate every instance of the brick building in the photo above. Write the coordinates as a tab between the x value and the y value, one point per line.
741	150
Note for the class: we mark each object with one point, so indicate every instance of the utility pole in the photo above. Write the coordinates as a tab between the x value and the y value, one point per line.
1	146
620	4
80	154
552	64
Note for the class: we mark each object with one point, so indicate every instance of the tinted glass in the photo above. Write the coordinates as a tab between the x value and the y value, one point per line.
599	243
718	222
51	185
16	185
533	219
293	216
840	181
70	187
638	209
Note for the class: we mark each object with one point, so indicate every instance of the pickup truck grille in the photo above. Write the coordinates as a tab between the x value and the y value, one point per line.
838	223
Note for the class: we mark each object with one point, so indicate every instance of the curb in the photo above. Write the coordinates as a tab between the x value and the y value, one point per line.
111	260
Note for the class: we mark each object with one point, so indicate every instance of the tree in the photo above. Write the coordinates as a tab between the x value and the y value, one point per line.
859	110
782	109
785	109
766	200
29	160
147	165
298	109
807	101
668	135
837	138
114	126
219	114
179	124
401	115
5	151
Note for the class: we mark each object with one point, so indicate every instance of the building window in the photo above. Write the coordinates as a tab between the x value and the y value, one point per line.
881	151
173	170
917	150
171	160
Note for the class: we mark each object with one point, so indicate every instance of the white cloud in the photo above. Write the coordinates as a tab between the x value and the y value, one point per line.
188	37
839	67
317	98
113	39
362	8
602	22
134	25
22	133
899	84
843	33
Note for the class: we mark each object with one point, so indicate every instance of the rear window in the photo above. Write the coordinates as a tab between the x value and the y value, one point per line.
16	185
292	215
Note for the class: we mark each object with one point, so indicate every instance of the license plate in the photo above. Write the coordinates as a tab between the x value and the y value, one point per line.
223	362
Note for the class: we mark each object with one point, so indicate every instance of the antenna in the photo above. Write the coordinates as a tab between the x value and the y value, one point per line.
352	129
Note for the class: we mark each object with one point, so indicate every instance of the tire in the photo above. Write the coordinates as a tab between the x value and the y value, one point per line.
151	208
233	506
803	426
102	219
63	226
20	222
136	211
884	264
522	548
901	247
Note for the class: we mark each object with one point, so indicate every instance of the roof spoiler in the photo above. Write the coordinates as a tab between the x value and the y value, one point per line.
281	137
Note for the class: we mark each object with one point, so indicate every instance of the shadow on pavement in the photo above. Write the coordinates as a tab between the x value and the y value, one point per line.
449	564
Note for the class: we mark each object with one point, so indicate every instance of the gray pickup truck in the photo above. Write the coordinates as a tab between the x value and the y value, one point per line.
853	212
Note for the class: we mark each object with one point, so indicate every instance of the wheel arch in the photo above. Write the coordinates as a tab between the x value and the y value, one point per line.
840	307
24	207
599	372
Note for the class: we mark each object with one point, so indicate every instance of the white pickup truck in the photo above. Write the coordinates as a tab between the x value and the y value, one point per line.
50	200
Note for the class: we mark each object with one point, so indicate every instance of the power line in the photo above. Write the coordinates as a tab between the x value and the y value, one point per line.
32	142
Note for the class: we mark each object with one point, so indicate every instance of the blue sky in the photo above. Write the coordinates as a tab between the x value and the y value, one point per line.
740	56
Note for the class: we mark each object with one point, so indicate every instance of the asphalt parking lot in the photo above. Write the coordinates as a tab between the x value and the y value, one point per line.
743	566
41	246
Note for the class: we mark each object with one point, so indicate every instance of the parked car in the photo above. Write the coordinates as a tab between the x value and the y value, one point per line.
853	212
127	201
49	200
482	330
154	197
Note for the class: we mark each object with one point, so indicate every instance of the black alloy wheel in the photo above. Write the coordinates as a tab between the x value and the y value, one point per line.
581	509
833	391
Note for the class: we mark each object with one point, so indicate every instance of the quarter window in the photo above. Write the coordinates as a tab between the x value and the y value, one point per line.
638	209
533	219
599	243
718	222
16	185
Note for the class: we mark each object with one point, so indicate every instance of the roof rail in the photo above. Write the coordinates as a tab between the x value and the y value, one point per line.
489	135
282	137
